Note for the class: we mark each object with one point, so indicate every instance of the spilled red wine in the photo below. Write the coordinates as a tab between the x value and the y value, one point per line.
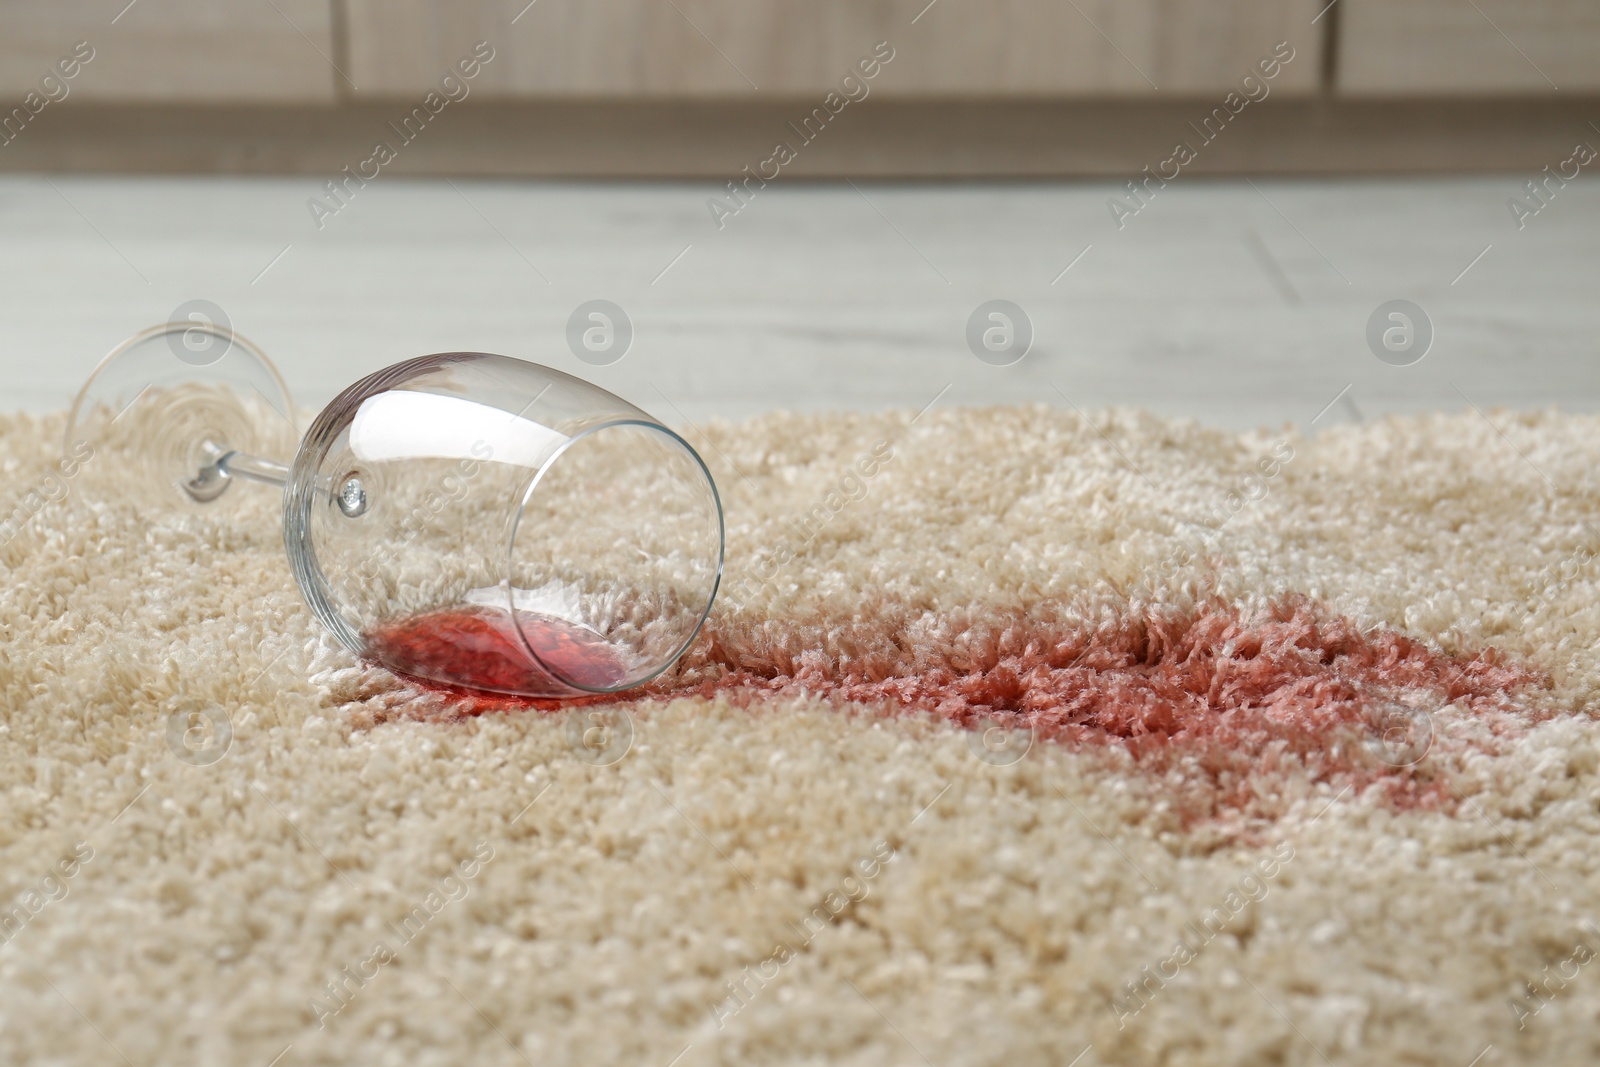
477	648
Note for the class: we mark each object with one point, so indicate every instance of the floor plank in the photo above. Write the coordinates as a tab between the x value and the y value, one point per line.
1233	303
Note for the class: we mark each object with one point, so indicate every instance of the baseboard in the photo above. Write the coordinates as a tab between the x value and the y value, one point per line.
887	139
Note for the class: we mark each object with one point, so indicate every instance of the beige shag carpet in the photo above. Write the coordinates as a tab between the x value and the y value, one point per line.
1050	741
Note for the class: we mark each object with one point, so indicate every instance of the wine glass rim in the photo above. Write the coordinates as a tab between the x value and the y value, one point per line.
649	423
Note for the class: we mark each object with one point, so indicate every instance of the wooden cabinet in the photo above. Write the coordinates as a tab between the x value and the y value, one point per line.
324	51
731	48
683	88
173	51
1412	47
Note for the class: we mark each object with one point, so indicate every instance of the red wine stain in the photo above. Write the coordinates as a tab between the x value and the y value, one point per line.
1222	706
474	652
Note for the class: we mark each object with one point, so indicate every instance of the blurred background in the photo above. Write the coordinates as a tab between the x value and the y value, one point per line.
1249	212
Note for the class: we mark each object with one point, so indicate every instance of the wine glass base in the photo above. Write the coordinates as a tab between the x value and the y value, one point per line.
174	401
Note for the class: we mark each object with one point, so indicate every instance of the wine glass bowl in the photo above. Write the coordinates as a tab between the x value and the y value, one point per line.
482	521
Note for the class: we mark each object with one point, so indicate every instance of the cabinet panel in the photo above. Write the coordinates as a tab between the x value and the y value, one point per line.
962	48
1452	46
190	51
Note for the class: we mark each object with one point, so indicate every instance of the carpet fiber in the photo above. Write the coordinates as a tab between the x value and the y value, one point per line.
1016	737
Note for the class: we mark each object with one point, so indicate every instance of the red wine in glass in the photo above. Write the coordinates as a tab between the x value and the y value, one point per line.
476	647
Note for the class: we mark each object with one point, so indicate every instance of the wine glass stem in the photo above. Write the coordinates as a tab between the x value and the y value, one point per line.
254	468
226	464
223	464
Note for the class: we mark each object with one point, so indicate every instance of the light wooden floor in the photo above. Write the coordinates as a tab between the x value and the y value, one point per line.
1235	304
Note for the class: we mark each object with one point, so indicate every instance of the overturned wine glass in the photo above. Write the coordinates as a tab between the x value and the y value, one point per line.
464	518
